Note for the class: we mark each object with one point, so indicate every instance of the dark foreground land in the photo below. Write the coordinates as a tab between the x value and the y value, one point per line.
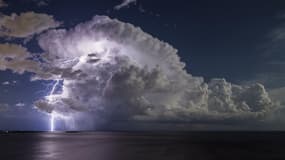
143	146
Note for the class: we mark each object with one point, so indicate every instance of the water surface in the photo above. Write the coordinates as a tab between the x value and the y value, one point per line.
143	146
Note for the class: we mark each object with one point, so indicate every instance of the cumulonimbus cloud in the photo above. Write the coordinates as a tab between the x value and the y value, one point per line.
116	71
26	24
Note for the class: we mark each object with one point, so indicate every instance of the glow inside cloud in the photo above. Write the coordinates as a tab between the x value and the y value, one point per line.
114	71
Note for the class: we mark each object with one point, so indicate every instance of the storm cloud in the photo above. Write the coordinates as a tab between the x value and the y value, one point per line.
115	71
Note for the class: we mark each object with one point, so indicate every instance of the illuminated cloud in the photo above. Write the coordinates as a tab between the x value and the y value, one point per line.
8	50
16	58
26	24
116	71
124	3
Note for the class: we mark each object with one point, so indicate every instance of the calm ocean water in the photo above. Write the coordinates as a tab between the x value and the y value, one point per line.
143	146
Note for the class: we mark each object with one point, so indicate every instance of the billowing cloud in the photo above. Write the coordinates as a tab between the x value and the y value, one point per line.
16	58
124	3
118	72
26	24
3	4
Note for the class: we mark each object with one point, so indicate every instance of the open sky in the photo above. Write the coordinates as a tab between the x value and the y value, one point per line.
86	64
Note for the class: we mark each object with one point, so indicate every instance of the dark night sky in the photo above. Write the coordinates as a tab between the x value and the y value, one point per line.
224	39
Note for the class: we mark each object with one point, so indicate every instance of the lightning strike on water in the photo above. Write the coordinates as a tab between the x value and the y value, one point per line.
51	122
52	118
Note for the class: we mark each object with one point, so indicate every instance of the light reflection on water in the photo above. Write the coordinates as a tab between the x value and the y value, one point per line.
141	146
107	146
47	148
62	146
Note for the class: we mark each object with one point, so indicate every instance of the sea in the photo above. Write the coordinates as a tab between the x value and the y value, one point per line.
142	146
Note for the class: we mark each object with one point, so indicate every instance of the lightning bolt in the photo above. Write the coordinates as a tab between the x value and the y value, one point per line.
51	122
52	118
